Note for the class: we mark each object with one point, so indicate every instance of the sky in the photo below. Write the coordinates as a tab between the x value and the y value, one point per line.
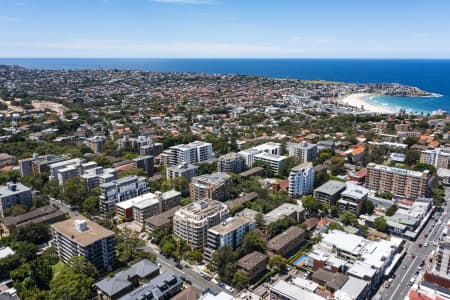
225	28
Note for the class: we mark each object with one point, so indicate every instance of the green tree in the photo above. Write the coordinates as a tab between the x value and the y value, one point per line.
259	220
348	218
364	230
69	285
252	242
128	245
368	207
381	224
180	184
410	140
287	165
80	265
423	166
391	210
411	157
75	191
36	233
90	205
102	161
221	258
279	226
278	263
335	226
311	205
241	280
337	165
438	195
194	256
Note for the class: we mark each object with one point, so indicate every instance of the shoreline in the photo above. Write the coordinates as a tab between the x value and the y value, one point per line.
358	101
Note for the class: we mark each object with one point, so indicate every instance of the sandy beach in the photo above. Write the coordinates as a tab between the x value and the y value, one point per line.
357	100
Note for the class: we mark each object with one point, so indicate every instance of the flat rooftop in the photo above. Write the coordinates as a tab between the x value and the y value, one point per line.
93	233
229	224
331	187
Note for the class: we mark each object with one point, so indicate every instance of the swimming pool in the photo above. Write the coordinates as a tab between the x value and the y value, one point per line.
299	262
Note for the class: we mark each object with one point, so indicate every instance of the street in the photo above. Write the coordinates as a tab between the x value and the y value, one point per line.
400	285
187	272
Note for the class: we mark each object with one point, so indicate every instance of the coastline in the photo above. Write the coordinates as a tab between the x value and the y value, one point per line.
358	101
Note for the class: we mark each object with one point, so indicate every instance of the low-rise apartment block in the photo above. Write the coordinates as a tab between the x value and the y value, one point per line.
254	264
271	161
287	242
13	194
329	192
305	151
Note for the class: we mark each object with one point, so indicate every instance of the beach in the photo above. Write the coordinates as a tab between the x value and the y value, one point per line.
358	101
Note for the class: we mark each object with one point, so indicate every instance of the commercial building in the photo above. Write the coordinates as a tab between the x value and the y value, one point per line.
79	236
438	157
186	170
191	222
254	264
305	151
283	290
120	190
194	152
123	282
353	198
286	242
42	215
301	180
399	182
329	192
13	194
438	272
230	233
271	161
215	186
231	163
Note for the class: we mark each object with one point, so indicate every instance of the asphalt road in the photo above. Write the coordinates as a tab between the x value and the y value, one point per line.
400	286
186	272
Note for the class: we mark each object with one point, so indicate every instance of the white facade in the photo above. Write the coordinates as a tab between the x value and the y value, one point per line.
301	179
305	151
249	154
189	153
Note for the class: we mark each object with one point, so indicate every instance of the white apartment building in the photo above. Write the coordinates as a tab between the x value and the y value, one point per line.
191	222
194	152
249	154
301	179
273	161
186	170
438	157
120	190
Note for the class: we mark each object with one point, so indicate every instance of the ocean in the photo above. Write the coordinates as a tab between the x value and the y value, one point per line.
430	75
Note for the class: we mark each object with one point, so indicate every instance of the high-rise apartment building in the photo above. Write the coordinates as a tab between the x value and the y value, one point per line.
230	233
194	152
438	157
231	163
191	222
215	186
305	151
400	182
301	179
79	236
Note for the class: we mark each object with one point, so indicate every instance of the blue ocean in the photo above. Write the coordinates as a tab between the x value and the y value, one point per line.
430	75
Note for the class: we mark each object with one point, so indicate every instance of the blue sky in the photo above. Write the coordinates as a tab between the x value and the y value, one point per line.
225	28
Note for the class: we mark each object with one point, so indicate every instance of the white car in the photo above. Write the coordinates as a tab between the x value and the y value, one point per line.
425	245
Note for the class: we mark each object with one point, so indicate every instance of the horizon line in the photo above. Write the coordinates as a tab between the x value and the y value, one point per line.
245	58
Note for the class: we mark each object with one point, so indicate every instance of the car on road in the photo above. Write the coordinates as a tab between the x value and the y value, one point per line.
404	267
387	284
426	244
214	281
179	266
412	280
